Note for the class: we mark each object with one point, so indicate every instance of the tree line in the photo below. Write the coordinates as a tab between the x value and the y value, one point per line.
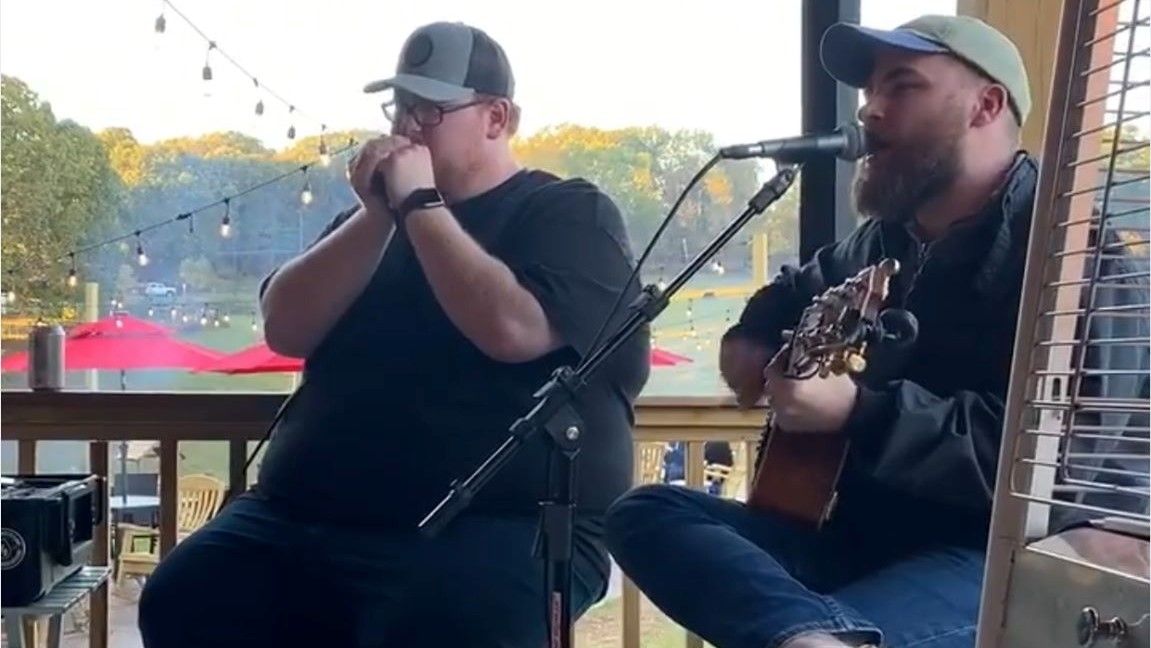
66	187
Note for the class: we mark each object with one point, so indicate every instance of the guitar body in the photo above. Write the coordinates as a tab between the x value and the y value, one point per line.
798	476
798	472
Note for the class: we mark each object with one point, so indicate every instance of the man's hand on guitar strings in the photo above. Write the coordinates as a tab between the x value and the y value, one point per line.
741	363
811	405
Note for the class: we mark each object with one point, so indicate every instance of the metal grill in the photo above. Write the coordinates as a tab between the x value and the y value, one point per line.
1083	406
1076	443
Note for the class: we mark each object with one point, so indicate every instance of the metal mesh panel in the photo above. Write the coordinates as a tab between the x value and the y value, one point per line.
1076	443
1087	403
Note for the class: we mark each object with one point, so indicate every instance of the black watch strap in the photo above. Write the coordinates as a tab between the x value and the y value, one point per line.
418	199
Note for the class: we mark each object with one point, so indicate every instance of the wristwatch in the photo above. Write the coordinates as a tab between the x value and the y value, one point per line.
418	199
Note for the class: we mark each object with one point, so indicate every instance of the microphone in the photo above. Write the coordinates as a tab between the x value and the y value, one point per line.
847	142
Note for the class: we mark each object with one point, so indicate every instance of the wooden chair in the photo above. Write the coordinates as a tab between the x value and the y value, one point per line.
733	478
200	499
649	463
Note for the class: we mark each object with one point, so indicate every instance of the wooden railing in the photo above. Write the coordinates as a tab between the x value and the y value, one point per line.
101	418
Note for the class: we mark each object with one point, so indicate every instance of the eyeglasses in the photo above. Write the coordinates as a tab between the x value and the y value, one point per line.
425	113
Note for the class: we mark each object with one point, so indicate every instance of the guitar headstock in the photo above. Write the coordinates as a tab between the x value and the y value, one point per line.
834	330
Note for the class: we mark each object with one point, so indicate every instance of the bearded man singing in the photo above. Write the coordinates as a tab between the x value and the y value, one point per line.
946	192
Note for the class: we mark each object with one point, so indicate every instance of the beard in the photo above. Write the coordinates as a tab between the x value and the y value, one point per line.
893	183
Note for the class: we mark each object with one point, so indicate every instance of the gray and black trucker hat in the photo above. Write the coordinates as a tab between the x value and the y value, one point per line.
447	62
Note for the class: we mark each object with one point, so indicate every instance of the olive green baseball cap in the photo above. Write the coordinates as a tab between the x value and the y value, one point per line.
848	51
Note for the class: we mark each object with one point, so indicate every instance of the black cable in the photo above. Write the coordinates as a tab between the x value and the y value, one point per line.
647	251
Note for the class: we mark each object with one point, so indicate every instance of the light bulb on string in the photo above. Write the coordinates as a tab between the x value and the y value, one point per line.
151	311
206	73
227	318
306	192
226	221
158	29
292	125
72	278
174	313
325	156
141	258
259	98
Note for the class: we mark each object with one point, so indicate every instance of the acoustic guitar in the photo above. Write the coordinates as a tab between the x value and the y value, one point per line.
797	474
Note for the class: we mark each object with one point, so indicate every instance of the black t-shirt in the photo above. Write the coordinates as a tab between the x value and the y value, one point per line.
396	403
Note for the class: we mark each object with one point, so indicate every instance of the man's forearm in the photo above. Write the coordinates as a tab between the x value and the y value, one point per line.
308	294
477	291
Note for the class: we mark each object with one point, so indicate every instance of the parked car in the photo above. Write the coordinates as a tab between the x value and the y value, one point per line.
156	291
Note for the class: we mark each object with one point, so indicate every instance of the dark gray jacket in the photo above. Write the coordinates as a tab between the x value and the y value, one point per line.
927	426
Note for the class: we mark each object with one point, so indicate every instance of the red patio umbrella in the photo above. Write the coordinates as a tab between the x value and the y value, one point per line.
123	353
257	358
121	342
118	324
664	358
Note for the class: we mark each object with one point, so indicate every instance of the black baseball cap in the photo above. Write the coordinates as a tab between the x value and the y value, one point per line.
448	62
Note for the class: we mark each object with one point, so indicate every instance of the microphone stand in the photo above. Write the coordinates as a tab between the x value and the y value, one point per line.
554	414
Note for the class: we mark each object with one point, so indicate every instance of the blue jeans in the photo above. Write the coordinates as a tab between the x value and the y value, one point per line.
738	577
256	577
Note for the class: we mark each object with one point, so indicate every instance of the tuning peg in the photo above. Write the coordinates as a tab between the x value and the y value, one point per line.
855	362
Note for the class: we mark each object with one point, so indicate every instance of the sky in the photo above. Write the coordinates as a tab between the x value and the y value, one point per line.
727	66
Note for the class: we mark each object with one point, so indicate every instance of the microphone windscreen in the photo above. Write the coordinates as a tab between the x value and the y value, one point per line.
856	141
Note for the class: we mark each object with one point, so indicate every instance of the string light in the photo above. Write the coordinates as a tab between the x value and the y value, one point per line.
292	123
160	28
226	221
207	73
325	159
10	294
306	192
259	99
72	279
141	258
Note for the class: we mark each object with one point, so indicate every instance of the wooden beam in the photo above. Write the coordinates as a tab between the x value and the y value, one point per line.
1033	25
232	416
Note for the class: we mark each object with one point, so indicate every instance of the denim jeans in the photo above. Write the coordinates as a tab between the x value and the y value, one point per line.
739	577
254	576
